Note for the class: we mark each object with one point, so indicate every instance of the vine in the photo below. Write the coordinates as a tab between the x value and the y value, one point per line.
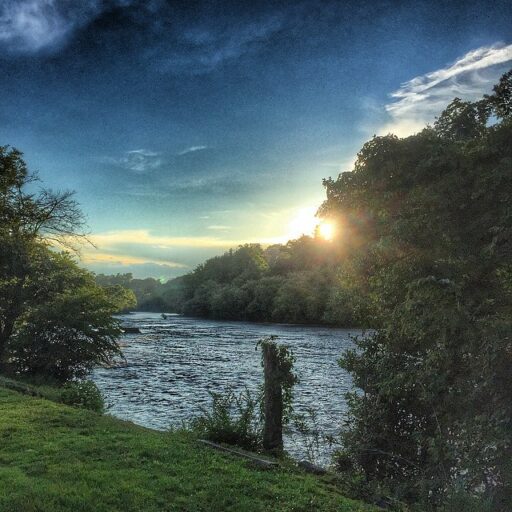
285	375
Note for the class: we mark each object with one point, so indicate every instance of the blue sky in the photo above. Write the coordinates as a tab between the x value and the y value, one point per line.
186	129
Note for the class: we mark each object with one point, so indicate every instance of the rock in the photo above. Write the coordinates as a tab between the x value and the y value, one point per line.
130	330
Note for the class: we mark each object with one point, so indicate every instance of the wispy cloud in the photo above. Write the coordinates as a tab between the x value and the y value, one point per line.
98	256
136	160
192	149
222	183
128	248
421	99
207	48
219	227
32	26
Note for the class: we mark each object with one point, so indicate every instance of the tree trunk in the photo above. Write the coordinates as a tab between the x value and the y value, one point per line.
273	397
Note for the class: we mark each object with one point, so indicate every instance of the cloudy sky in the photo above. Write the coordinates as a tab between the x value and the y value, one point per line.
186	129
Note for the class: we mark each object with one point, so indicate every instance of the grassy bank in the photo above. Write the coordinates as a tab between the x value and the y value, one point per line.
58	458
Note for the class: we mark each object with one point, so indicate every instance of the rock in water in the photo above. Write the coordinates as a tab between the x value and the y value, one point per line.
130	330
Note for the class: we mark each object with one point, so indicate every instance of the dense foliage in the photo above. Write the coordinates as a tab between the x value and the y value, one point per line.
54	320
145	294
298	282
429	222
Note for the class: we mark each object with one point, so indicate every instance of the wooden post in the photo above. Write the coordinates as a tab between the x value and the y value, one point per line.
273	399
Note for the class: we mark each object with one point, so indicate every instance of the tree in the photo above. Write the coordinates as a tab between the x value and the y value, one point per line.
54	319
26	221
431	230
122	299
463	120
70	328
501	99
45	215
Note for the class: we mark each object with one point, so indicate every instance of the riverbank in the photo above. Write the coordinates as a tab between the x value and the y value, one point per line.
57	458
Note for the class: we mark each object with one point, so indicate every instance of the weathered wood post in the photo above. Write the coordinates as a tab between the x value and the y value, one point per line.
273	398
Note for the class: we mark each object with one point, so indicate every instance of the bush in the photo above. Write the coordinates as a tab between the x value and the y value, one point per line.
83	394
233	419
463	501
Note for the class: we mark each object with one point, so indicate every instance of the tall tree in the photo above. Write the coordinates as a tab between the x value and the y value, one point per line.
431	244
54	319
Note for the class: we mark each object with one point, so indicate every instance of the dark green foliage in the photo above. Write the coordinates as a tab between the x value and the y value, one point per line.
292	283
55	322
501	99
70	329
430	225
262	293
123	298
27	221
146	292
83	394
462	120
284	283
302	297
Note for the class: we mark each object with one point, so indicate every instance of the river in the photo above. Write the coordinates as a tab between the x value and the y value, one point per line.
173	364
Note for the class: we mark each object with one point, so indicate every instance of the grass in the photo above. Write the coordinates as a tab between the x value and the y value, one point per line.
31	387
57	458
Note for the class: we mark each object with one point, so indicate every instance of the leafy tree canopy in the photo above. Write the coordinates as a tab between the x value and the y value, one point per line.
54	320
430	234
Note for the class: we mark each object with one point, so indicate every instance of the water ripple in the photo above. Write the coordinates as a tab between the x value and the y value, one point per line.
172	365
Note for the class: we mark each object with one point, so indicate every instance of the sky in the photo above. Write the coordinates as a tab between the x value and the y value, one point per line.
189	128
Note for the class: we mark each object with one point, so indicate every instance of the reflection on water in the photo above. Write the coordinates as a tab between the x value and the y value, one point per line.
173	364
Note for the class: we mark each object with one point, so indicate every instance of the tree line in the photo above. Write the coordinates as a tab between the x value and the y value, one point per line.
296	282
430	218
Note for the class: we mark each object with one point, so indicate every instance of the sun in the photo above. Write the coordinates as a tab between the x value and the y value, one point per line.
326	230
305	222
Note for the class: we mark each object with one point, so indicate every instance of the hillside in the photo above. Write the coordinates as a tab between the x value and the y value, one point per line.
57	458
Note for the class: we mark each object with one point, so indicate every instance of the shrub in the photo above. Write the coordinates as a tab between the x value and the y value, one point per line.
83	394
233	419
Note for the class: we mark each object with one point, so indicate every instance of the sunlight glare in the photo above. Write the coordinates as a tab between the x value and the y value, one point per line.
326	230
304	223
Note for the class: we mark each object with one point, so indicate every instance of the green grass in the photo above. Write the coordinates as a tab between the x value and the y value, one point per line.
56	458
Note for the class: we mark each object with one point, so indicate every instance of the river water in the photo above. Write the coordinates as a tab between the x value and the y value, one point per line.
173	364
